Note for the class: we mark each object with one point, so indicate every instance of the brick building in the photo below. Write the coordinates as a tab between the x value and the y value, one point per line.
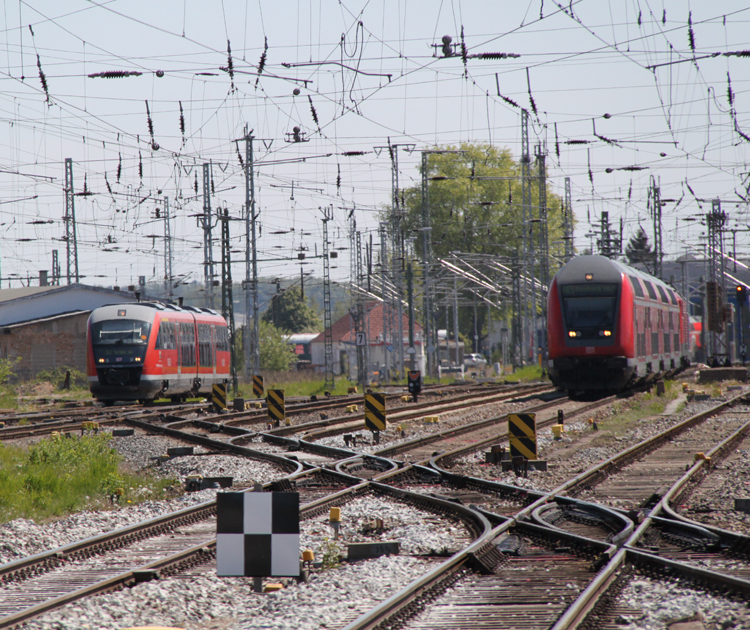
46	326
345	347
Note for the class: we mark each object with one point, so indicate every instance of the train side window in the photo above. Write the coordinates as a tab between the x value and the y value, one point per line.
636	286
672	296
222	339
187	345
663	294
205	349
650	289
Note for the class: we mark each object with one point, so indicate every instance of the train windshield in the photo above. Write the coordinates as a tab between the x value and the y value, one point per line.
120	332
589	305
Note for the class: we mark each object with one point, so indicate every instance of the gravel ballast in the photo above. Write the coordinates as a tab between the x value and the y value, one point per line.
331	597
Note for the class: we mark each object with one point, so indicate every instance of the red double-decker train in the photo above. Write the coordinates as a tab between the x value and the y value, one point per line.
147	350
611	326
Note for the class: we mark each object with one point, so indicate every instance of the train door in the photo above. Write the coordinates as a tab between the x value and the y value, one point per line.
178	345
213	347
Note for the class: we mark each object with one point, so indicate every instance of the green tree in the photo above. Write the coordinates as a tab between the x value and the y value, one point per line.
289	312
275	353
638	249
475	201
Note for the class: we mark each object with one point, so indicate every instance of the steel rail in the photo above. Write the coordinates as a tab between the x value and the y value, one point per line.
475	523
586	604
402	599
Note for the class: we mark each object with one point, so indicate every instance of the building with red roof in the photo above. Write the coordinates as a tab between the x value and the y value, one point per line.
382	351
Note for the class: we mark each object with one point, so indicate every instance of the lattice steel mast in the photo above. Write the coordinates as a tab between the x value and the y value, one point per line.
71	237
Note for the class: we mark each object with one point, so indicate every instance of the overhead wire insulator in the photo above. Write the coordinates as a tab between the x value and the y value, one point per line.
262	62
494	55
691	35
42	78
313	112
230	64
115	74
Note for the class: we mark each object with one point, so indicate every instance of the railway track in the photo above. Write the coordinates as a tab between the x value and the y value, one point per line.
558	548
172	543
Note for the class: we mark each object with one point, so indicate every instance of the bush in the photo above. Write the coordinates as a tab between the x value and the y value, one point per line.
56	377
61	475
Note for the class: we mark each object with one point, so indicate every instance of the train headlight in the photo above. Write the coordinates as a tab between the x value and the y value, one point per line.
607	333
101	360
138	358
572	333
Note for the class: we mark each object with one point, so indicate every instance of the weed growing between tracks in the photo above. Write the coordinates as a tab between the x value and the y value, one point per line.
62	475
626	414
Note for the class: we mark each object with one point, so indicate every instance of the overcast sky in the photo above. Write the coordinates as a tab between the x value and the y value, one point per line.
371	72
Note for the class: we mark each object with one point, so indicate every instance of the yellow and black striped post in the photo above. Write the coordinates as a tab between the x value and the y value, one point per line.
275	404
375	412
522	435
257	386
219	397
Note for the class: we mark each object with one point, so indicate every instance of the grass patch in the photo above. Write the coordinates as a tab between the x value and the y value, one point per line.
629	412
61	475
526	374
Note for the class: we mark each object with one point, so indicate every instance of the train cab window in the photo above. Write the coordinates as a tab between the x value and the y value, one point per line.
187	345
589	305
120	332
663	294
650	289
636	286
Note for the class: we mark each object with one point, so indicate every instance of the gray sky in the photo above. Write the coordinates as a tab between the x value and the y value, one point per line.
371	75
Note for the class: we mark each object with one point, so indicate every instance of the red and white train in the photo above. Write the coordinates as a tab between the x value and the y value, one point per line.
147	350
610	326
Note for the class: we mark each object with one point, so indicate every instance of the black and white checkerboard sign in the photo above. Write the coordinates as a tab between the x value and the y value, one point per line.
257	534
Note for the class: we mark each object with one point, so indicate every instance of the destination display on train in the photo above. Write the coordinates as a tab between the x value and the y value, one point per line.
589	290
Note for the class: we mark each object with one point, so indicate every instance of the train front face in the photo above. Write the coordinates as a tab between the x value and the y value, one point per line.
590	325
118	340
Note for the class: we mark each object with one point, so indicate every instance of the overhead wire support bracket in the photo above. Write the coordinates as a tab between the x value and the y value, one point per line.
337	63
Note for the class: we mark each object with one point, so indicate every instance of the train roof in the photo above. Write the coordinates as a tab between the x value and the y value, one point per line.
148	309
603	268
160	306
